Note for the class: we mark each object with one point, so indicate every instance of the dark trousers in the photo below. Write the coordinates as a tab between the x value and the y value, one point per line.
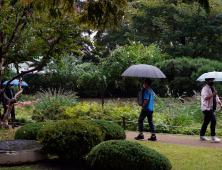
12	113
209	116
143	115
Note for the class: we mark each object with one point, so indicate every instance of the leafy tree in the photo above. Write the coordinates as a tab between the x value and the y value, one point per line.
182	74
180	29
32	26
108	71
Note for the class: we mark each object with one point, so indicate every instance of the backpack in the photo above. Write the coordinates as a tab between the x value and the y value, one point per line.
140	96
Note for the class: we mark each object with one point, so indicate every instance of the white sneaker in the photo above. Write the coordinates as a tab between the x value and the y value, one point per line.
204	138
216	139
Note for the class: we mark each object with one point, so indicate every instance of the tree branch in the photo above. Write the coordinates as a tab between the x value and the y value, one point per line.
14	32
37	67
44	39
18	35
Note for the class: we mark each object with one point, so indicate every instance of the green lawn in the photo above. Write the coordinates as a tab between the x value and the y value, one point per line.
188	157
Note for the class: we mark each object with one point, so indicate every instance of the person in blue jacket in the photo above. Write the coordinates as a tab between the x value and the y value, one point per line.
147	111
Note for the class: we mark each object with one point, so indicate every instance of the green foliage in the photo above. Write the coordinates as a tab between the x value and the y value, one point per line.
111	131
6	134
185	112
126	155
53	103
181	29
71	139
33	33
7	74
103	14
62	72
30	130
108	71
111	111
182	74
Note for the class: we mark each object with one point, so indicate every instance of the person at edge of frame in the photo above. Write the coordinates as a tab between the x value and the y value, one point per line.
147	111
209	101
10	93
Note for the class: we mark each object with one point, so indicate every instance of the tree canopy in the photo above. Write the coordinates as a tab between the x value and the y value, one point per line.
179	28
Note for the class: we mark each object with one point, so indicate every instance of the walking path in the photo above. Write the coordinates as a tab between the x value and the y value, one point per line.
181	140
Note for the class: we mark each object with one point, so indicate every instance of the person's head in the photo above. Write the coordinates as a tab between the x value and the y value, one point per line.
11	85
147	83
210	81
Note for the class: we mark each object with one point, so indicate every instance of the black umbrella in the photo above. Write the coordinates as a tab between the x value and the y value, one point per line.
143	70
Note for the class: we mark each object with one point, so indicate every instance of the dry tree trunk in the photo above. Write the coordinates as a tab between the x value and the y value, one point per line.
11	103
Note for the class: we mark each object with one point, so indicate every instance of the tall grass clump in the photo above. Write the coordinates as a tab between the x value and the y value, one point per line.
53	103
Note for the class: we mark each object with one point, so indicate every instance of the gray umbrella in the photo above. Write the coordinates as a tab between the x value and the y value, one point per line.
143	70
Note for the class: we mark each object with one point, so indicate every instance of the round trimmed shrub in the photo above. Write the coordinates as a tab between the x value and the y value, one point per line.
121	154
30	131
71	139
110	130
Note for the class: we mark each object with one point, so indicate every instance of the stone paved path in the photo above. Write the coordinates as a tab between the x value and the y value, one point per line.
181	140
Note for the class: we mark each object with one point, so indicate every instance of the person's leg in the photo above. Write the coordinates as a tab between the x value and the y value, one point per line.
212	127
213	123
13	116
150	121
140	120
207	119
140	124
13	113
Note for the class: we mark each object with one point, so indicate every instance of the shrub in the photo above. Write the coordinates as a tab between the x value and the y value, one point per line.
128	155
71	139
30	131
87	110
53	103
182	74
110	130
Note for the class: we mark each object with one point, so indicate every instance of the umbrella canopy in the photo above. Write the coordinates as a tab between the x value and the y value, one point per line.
143	70
216	75
16	82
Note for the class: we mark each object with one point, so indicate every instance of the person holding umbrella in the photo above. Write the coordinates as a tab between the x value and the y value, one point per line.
209	101
147	111
10	94
144	70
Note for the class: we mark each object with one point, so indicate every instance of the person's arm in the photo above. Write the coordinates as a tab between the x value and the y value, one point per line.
211	95
144	103
220	104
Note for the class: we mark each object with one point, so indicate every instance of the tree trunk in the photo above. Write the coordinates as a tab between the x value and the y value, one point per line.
17	67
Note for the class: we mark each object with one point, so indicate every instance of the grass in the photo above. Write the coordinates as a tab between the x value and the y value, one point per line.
6	134
188	157
182	158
